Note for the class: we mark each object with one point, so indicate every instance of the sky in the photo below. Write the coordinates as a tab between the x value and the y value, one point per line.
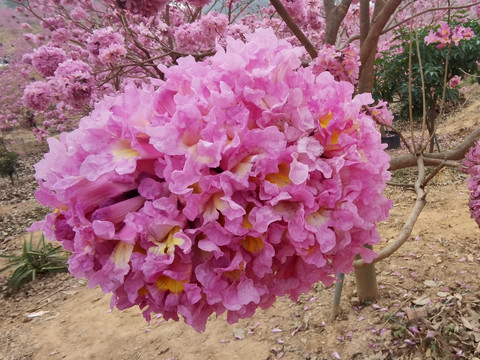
6	3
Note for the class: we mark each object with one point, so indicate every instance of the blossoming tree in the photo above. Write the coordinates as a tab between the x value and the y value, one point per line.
13	75
233	156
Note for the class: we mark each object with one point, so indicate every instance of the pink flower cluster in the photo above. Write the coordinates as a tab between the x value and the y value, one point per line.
150	8
79	14
454	81
444	35
201	35
46	59
237	179
343	64
472	163
54	23
75	81
106	46
60	36
38	95
141	7
296	9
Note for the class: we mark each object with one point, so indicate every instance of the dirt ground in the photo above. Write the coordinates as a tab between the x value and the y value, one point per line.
428	305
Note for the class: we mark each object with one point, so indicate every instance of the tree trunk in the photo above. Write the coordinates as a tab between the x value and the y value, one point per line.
366	279
365	80
335	16
367	288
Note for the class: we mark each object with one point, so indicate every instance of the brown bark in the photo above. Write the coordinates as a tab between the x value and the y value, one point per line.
366	280
365	80
335	16
292	25
430	122
457	153
376	27
364	20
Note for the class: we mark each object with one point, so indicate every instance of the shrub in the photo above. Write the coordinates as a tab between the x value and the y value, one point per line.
391	74
8	163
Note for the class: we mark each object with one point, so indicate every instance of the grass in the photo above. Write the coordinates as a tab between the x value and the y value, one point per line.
44	257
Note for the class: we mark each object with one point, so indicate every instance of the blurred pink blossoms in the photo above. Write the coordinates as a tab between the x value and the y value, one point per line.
237	179
149	7
444	35
472	163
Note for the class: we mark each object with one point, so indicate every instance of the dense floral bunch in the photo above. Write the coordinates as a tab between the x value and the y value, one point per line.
472	163
106	46
12	84
201	35
444	35
343	64
454	81
237	179
38	95
149	7
75	80
46	59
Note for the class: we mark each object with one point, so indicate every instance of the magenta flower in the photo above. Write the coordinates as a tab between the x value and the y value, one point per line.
237	179
60	36
79	14
150	7
201	35
344	65
454	81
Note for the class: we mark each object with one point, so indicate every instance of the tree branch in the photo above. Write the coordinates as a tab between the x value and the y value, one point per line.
335	15
427	11
292	25
391	27
457	153
376	28
409	224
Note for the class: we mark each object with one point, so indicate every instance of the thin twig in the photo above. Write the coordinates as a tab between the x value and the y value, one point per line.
433	173
380	122
424	96
411	220
407	186
410	100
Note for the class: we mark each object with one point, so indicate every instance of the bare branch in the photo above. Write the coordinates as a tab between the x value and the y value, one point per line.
457	153
409	224
335	15
405	186
428	11
292	25
433	173
382	123
376	28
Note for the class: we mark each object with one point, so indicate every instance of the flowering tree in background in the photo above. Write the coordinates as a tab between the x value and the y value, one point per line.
454	45
13	76
222	166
